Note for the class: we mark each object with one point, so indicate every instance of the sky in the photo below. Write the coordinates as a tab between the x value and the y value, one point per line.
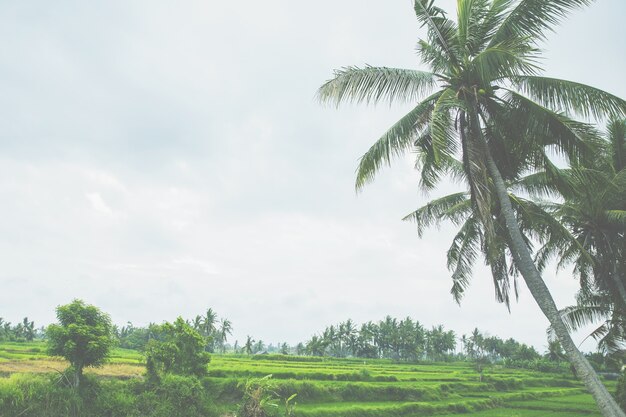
158	158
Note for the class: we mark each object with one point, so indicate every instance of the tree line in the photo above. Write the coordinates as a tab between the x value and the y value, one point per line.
213	330
410	341
23	331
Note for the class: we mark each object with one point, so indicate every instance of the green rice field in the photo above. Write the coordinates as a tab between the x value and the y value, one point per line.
350	387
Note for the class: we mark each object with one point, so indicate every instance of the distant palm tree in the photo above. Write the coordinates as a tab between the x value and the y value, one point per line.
555	351
208	322
490	94
29	329
226	329
248	346
197	325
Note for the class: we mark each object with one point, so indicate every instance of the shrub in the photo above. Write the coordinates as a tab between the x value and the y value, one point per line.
178	349
260	399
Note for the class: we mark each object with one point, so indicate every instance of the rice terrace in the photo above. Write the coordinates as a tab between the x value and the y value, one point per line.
329	387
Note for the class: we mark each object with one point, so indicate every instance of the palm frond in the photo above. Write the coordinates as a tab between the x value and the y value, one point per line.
375	84
506	59
441	126
551	182
433	56
470	15
432	168
571	97
482	35
533	18
500	276
441	30
434	212
395	142
462	255
617	217
541	127
581	315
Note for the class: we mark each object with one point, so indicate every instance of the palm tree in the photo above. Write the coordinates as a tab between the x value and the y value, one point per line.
226	329
489	94
248	346
197	325
555	351
208	322
593	212
29	329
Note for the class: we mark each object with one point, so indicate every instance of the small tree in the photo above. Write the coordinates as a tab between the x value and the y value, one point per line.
177	348
83	336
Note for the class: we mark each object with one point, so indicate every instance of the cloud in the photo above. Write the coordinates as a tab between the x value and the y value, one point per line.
98	204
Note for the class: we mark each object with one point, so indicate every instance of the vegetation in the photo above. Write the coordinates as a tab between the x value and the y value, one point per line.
83	336
176	349
331	387
213	330
484	102
172	376
21	332
407	340
590	234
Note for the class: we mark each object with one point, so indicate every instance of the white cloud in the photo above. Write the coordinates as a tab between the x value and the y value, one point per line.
98	204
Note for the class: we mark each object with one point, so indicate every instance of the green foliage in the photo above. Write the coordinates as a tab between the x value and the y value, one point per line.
36	396
384	388
83	336
261	400
20	332
177	349
42	396
403	340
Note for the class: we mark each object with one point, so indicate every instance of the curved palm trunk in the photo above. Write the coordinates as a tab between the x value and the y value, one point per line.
539	290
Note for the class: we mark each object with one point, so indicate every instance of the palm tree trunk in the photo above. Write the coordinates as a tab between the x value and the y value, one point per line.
525	264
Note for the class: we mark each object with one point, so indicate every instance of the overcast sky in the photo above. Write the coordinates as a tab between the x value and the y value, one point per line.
158	158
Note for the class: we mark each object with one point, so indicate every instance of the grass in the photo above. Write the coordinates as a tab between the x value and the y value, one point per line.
355	387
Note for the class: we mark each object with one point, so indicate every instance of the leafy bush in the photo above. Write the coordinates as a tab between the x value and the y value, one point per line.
177	349
29	395
261	400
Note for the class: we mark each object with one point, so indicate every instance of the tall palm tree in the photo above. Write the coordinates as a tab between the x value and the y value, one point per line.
484	69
